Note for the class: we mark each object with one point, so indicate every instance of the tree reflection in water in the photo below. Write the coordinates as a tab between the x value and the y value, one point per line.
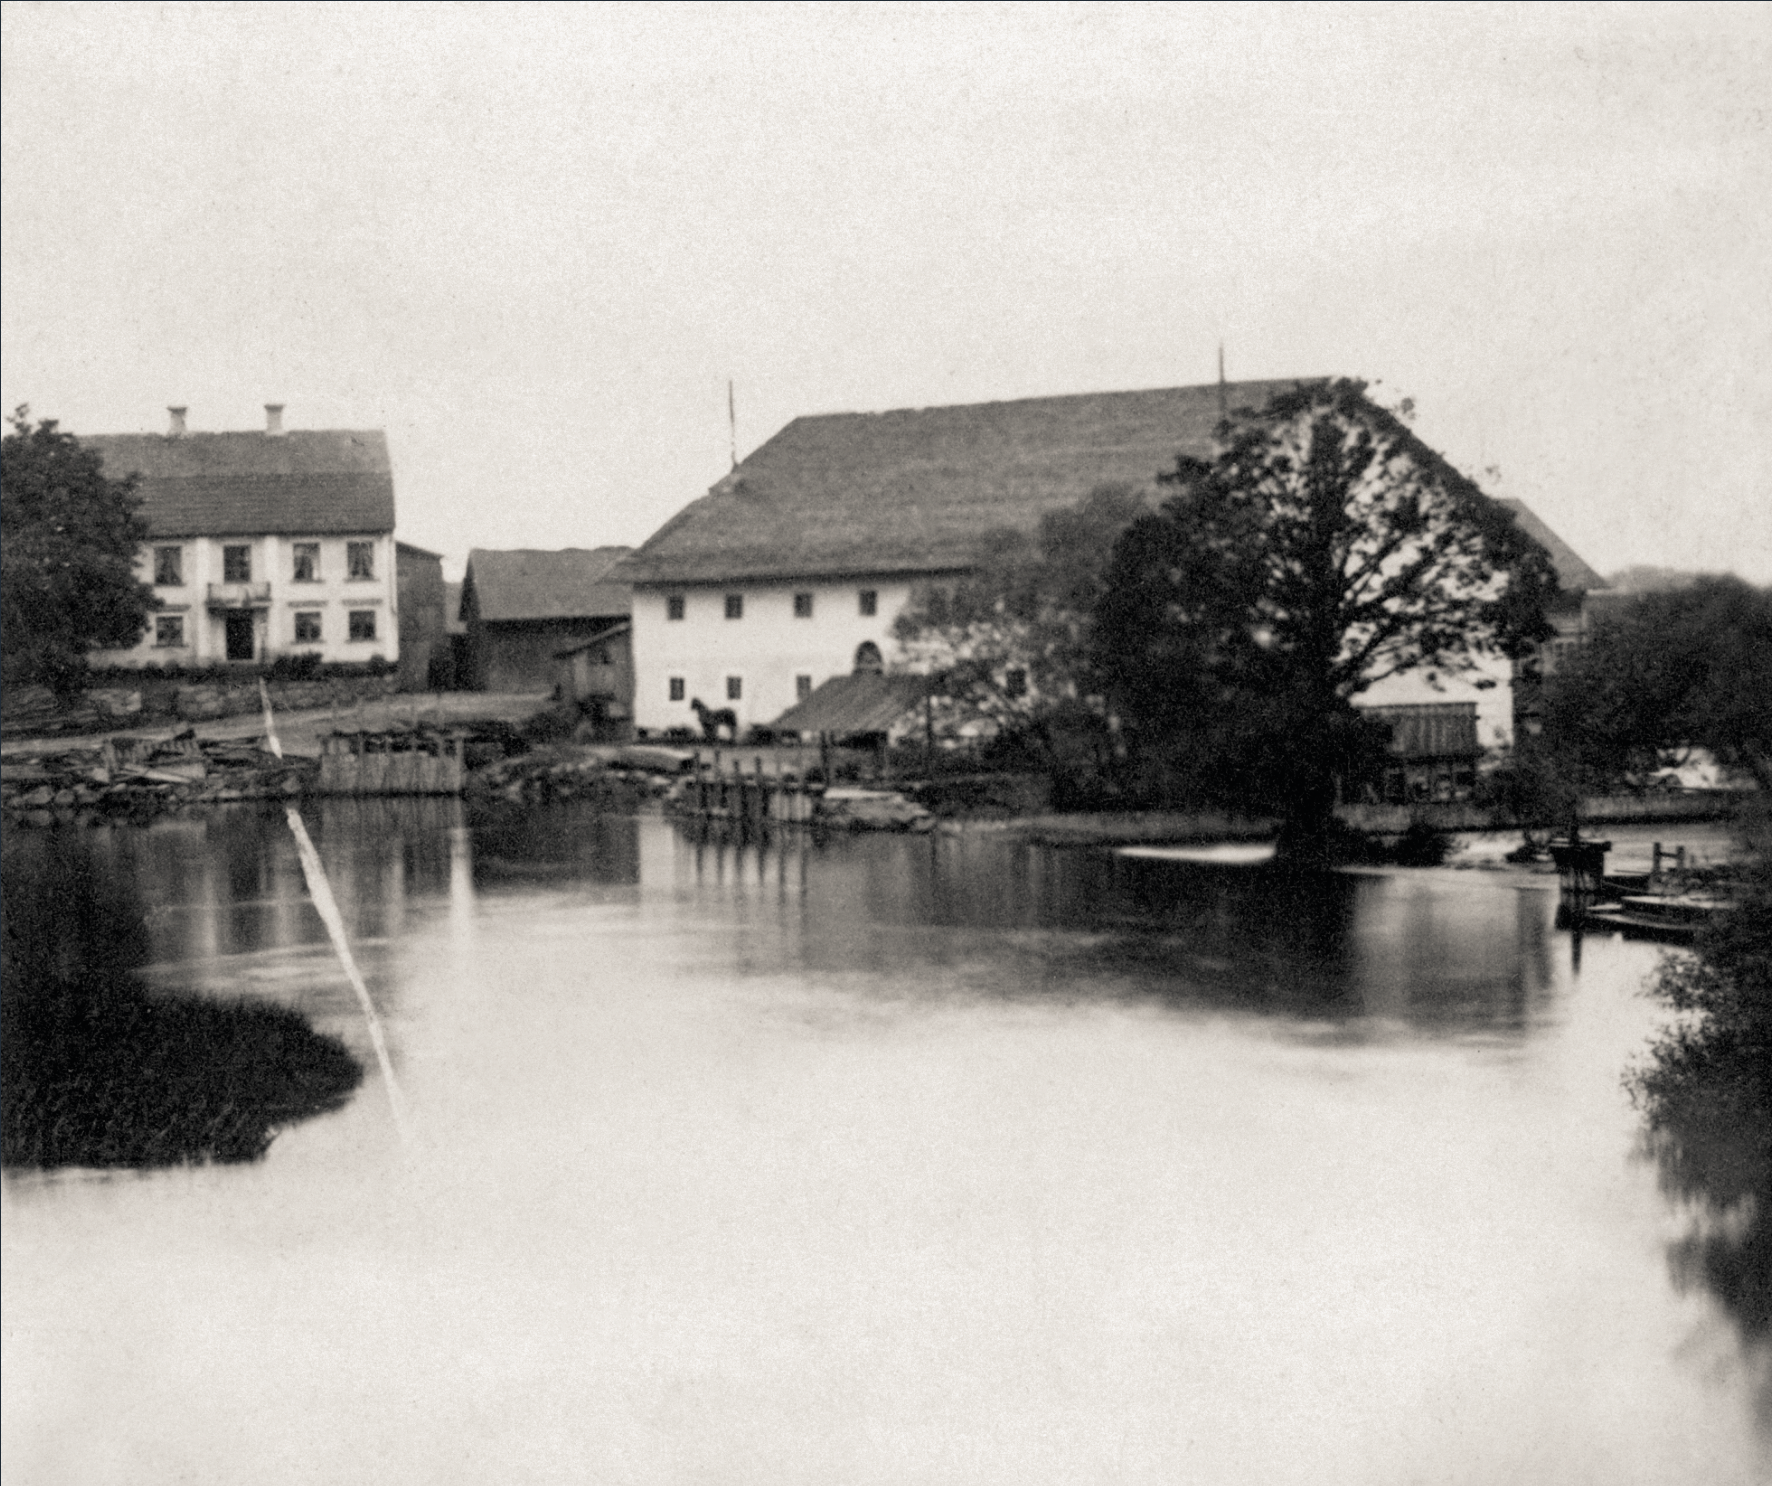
97	1070
1706	1094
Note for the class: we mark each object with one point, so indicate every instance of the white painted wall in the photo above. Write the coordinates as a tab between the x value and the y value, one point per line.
333	597
766	649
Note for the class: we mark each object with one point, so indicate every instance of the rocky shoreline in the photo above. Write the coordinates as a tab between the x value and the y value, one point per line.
132	781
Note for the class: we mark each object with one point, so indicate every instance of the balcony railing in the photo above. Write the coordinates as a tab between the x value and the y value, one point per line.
239	595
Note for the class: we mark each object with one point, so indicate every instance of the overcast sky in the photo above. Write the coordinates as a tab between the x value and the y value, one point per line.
533	243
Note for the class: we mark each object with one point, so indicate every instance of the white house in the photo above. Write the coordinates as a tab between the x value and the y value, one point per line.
262	544
792	569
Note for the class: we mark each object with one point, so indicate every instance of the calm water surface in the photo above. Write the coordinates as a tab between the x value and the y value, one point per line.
891	1160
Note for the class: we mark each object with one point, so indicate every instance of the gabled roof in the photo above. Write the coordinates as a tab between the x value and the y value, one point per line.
865	702
913	491
1573	575
525	584
309	482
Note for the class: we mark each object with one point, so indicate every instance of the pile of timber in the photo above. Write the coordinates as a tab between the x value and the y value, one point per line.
135	779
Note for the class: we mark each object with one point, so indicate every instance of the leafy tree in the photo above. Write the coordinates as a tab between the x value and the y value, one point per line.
1010	641
67	559
1668	672
1323	549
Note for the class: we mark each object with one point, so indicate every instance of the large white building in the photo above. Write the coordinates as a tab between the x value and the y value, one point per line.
262	544
792	569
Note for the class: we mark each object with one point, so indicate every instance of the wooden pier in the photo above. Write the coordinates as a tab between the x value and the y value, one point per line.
755	799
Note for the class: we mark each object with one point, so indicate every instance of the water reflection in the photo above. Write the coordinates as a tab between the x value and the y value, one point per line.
877	1159
574	842
1462	955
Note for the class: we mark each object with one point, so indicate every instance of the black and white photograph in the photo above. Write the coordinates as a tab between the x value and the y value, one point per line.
851	744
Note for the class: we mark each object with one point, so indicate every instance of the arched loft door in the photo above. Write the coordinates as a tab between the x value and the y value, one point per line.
868	660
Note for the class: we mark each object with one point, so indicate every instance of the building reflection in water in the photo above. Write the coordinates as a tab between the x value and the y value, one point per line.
1010	918
516	846
1459	952
229	882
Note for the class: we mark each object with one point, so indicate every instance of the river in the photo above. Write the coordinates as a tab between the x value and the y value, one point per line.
887	1159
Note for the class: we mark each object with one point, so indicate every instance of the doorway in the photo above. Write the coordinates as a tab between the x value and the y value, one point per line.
239	625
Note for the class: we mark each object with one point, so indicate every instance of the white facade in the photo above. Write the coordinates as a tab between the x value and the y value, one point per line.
253	598
787	638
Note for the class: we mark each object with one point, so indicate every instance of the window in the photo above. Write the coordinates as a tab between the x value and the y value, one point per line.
802	606
676	688
735	606
868	660
1015	682
674	606
169	629
307	562
360	559
169	568
307	629
734	688
362	624
870	603
236	564
802	687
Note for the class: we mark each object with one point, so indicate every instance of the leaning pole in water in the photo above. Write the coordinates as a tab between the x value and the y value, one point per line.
320	890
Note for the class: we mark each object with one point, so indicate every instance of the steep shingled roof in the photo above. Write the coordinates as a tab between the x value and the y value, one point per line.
1573	574
912	491
309	482
526	584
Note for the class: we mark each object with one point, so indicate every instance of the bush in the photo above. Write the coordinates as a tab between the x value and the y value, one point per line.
303	667
1421	846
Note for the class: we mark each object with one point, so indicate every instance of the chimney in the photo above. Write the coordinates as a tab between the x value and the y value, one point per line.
178	423
273	420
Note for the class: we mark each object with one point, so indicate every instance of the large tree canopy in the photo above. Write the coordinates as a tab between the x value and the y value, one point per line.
68	544
1325	548
1010	641
1667	672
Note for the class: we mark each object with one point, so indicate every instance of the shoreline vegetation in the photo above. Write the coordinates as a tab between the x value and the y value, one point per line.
96	1070
1705	1094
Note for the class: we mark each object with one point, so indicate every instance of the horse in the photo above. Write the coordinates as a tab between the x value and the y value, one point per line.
713	720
